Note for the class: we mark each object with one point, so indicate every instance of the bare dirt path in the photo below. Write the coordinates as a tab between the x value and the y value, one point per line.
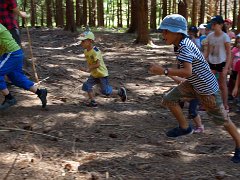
114	141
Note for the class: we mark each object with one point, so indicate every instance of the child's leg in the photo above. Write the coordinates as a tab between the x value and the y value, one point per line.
171	100
88	86
215	108
193	114
224	90
106	88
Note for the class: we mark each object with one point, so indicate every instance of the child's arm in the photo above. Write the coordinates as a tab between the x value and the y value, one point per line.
184	72
177	79
228	58
94	66
236	86
206	51
90	67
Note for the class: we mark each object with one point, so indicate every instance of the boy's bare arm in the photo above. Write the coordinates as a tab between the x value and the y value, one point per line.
184	72
177	79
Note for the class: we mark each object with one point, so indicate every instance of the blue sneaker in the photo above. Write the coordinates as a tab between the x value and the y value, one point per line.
236	157
8	103
179	132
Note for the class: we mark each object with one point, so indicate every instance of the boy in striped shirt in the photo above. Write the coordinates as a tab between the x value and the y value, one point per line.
201	82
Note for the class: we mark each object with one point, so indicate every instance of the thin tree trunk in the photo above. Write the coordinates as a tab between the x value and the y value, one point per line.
134	19
100	13
153	15
142	29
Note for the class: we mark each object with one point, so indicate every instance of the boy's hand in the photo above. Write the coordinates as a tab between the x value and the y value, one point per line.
156	69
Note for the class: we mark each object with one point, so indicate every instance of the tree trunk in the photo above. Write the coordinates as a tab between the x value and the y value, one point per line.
78	13
59	13
70	23
134	19
194	12
33	13
238	22
100	13
85	15
202	12
49	13
234	13
153	15
164	8
142	29
119	13
92	12
182	8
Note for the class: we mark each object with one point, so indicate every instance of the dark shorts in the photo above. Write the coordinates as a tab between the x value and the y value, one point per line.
16	35
217	67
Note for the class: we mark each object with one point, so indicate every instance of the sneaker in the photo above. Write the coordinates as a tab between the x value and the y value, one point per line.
92	103
43	97
8	103
179	132
236	157
123	94
199	129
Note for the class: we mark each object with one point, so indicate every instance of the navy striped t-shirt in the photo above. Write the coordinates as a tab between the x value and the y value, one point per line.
202	79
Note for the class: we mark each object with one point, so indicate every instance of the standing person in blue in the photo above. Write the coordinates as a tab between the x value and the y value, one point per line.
11	62
98	71
201	82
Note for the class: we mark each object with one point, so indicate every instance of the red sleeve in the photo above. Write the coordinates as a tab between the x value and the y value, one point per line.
12	4
238	66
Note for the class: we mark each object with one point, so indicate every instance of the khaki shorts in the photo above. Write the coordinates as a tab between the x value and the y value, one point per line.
212	103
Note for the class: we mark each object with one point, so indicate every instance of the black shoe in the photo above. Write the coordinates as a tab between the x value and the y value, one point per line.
92	103
8	103
123	94
236	157
179	132
43	97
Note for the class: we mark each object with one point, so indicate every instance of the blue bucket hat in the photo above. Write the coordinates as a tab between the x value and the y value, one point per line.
174	23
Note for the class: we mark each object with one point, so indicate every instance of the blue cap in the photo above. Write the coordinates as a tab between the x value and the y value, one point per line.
174	23
193	29
217	19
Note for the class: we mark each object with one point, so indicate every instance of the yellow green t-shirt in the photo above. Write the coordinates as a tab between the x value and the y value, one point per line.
92	57
7	43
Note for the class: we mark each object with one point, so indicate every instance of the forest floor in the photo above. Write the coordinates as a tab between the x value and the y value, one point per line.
117	140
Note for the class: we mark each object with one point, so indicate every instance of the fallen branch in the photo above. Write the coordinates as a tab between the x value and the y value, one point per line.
42	80
116	125
10	170
32	132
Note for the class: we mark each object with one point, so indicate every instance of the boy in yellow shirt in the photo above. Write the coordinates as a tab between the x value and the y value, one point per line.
97	69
